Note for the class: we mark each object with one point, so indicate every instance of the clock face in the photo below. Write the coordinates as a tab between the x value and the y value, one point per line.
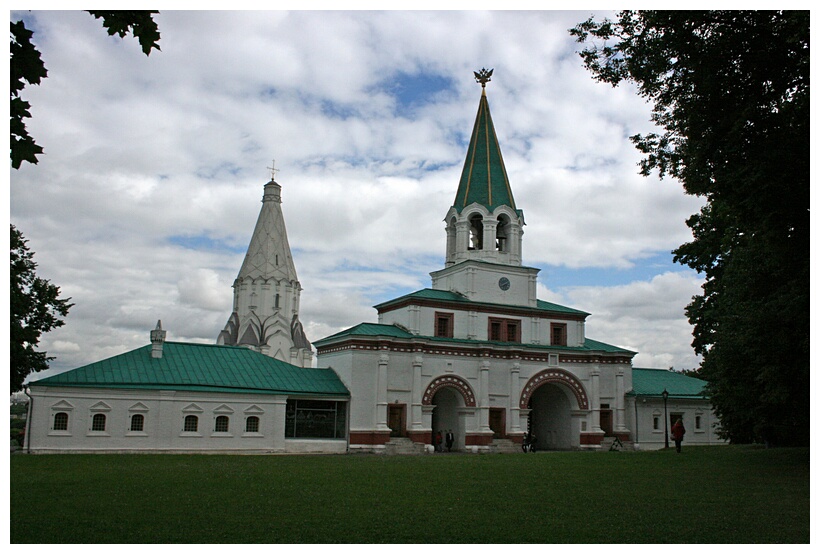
504	283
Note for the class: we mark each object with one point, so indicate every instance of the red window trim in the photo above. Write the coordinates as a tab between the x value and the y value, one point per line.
450	317
505	334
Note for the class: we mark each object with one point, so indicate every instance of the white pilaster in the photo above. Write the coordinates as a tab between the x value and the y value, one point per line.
381	393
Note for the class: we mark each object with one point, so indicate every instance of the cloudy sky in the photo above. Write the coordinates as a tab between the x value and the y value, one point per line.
145	200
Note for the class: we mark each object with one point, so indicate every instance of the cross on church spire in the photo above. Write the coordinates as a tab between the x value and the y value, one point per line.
273	170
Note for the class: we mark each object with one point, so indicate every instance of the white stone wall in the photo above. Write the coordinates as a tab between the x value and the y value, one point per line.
471	325
647	437
359	370
164	413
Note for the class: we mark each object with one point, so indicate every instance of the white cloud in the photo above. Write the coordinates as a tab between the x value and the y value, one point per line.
143	154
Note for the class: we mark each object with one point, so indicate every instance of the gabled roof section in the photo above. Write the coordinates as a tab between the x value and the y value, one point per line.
375	330
201	367
652	382
484	177
434	295
370	330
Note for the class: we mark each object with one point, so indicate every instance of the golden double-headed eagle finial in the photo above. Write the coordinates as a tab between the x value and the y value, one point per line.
483	76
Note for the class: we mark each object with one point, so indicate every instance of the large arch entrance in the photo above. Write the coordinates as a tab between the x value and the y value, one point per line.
553	397
550	421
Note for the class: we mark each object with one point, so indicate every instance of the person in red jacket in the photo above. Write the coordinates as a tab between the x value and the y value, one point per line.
677	433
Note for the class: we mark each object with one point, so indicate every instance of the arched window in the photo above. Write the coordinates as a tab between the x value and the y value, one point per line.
252	424
501	230
476	232
98	422
61	421
221	425
137	422
191	424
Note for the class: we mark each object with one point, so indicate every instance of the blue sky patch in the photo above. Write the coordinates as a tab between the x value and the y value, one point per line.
413	90
204	242
557	277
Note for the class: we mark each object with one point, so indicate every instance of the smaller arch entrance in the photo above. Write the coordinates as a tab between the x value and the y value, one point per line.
451	397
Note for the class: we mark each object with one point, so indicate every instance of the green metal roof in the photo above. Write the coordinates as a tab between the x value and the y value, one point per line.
448	296
201	367
652	382
484	177
372	330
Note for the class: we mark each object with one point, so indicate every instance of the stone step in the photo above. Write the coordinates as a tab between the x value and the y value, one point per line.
402	446
505	446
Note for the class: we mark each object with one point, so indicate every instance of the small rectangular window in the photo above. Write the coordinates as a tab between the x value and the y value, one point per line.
252	424
656	423
444	325
98	422
504	330
221	425
137	422
61	421
558	332
191	424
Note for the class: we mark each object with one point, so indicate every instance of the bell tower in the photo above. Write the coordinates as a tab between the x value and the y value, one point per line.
266	292
483	223
484	228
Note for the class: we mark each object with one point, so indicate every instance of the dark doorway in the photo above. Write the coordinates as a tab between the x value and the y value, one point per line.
498	423
396	419
606	422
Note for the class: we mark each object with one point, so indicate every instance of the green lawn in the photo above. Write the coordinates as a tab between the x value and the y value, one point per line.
712	494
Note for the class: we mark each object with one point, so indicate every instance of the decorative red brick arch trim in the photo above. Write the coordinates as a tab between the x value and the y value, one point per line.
451	381
555	376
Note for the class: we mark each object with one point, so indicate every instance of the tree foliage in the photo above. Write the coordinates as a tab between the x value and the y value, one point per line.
36	308
27	67
730	93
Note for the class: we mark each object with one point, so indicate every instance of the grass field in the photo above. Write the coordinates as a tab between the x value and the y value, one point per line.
713	494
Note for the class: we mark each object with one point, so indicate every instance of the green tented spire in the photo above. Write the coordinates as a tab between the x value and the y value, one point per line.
484	177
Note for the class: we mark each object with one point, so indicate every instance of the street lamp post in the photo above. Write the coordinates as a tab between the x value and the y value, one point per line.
665	395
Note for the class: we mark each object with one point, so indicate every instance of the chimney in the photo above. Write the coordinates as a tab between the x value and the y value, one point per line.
157	339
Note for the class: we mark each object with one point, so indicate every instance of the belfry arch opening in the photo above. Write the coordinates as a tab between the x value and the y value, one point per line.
476	237
501	233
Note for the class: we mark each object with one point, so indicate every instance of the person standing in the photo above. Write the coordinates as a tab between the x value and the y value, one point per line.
438	442
449	440
677	433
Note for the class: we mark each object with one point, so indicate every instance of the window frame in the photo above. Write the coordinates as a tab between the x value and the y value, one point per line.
54	427
561	328
186	428
309	408
248	419
96	426
505	325
218	423
448	318
133	419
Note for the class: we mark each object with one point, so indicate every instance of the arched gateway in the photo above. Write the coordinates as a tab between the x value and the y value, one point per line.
452	399
549	396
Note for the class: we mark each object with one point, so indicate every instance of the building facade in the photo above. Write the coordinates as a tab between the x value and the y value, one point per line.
477	355
182	397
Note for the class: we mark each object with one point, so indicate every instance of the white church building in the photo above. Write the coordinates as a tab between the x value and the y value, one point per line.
476	354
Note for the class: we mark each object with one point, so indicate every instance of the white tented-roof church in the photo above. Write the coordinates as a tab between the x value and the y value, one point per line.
477	357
